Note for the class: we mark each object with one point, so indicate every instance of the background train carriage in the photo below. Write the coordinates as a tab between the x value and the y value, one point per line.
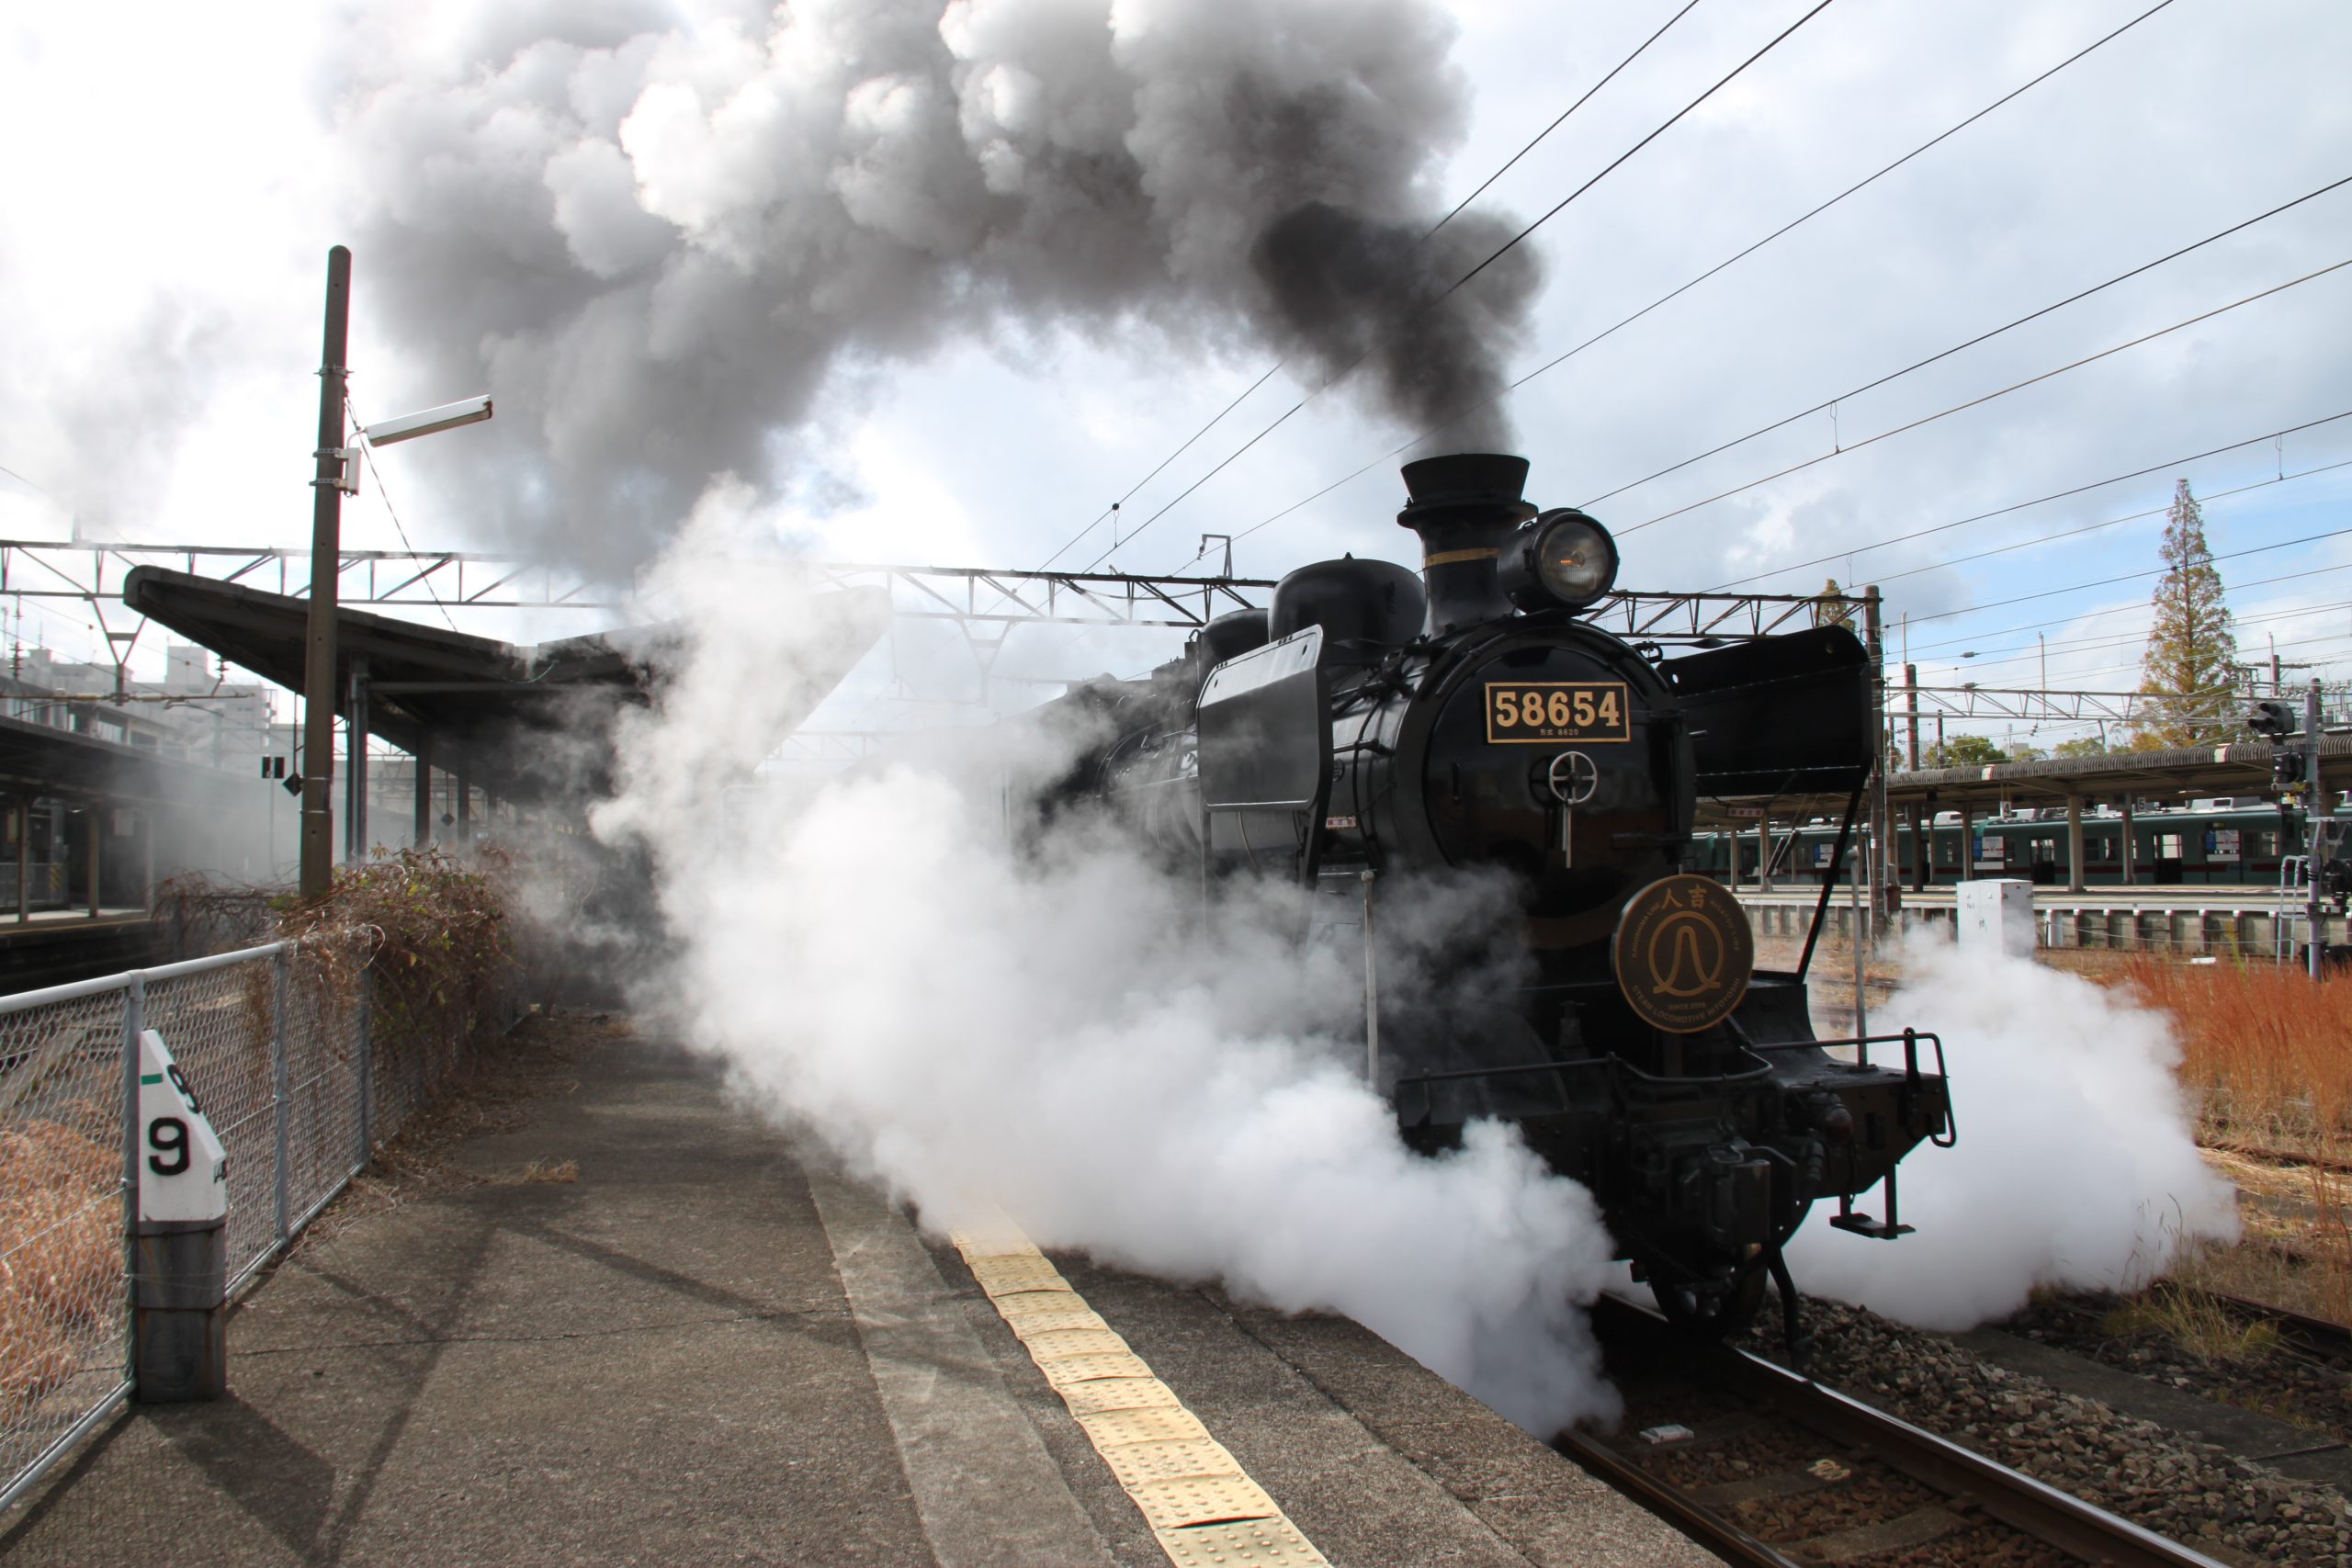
2233	841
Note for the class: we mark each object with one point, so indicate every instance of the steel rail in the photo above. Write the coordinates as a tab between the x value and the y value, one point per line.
1706	1527
2031	1506
2320	1334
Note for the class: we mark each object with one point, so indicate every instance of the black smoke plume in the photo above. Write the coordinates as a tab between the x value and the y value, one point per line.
670	238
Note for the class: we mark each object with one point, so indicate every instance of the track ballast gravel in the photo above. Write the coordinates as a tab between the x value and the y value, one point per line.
2194	1493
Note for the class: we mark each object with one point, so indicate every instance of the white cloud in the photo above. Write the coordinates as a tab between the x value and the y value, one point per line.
173	186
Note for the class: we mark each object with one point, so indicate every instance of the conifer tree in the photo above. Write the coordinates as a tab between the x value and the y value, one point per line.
2191	661
1826	614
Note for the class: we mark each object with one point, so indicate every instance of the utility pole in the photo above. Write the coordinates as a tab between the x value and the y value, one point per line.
1884	891
1911	681
2295	771
327	568
2318	821
2277	669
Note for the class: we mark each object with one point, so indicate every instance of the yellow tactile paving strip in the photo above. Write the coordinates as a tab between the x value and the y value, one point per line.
1206	1511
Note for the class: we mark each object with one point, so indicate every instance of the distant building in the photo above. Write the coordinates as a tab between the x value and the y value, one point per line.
195	715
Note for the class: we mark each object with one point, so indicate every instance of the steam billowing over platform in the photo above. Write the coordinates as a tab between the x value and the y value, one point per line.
730	1353
527	724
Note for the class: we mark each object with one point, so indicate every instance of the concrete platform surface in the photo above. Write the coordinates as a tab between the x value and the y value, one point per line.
709	1349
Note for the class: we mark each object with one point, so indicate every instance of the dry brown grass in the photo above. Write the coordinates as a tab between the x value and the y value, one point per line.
433	933
61	1253
2267	1051
2196	1322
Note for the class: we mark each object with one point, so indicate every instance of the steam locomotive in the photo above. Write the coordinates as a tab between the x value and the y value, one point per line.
1373	730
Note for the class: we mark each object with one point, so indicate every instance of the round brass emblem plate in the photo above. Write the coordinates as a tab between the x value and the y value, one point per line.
1683	953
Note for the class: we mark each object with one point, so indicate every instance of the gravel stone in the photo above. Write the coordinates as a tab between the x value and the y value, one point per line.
2191	1492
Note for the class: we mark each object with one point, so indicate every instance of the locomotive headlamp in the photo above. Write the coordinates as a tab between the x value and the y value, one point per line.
1564	560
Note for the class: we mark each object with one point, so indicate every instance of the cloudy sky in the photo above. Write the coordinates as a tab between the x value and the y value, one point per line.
943	290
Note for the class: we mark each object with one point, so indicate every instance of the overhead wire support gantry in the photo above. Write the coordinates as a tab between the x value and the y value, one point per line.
1058	598
93	572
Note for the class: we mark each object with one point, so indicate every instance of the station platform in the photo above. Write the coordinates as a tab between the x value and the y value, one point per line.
56	946
2198	917
709	1348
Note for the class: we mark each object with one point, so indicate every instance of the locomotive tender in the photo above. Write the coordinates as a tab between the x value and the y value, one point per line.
1373	727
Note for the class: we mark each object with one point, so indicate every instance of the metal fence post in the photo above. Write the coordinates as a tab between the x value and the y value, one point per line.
281	1098
365	1058
134	1018
420	1051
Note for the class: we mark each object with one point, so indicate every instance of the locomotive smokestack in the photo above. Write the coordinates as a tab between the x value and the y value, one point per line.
1464	505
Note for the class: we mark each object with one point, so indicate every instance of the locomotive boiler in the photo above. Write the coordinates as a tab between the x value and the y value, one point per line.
1374	731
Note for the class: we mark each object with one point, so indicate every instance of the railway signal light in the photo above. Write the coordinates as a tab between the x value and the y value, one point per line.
2275	719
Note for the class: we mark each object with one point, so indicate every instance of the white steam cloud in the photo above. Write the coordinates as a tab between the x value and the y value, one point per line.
2076	1166
1055	1034
662	232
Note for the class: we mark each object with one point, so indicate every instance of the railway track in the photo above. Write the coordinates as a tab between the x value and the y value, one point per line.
1764	1467
2317	1337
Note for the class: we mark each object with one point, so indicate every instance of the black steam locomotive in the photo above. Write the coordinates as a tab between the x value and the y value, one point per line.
1373	728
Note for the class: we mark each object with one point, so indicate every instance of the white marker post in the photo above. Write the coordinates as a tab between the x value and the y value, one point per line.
179	1287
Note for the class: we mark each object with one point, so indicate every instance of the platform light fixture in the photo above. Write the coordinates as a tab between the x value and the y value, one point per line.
431	421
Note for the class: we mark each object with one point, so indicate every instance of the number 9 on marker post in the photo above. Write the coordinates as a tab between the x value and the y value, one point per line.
183	1170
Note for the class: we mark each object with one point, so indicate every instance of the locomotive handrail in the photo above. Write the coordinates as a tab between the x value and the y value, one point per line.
1428	1100
1614	1065
1462	1073
1909	1040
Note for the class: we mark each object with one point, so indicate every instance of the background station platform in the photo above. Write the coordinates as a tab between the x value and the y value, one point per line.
56	946
708	1349
2196	919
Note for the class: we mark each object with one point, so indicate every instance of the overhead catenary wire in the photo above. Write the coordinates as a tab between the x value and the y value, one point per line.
1732	260
1562	119
2019	653
2218	693
2069	678
1513	242
1345	371
1112	510
2139	608
2108	522
2131	577
1537	138
2075	298
2037	501
2278	435
1849	448
2037	539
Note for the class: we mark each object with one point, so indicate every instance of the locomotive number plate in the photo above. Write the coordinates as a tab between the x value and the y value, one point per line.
1538	712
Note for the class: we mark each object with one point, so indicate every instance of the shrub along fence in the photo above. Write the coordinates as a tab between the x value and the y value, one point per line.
299	1071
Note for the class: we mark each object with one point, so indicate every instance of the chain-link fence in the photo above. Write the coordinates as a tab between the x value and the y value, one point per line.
277	1051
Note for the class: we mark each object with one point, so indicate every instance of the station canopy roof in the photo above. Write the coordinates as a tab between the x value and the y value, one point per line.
2240	768
40	760
528	720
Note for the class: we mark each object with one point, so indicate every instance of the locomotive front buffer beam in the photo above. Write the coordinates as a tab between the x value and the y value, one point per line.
1703	1181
